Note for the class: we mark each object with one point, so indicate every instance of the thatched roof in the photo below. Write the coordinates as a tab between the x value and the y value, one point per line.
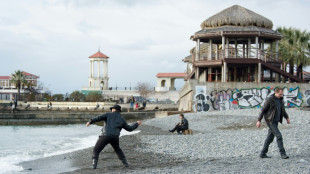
237	16
188	59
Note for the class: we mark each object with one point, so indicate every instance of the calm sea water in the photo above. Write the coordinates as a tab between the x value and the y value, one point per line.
24	143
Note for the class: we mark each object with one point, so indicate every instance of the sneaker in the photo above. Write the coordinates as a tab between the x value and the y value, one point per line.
95	162
170	130
125	163
264	156
284	156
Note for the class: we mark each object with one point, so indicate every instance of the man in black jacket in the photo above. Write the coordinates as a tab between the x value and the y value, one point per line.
273	111
183	125
114	123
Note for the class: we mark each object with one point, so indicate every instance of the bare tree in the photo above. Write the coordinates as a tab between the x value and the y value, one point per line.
144	89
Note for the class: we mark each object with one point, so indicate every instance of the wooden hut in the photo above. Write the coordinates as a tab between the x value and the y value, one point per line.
236	45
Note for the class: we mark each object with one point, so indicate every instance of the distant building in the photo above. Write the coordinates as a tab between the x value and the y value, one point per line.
165	81
8	89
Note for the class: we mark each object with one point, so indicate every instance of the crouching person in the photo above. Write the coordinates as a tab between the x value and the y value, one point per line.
114	123
183	125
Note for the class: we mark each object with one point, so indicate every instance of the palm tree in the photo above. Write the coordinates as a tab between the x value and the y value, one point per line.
295	48
19	80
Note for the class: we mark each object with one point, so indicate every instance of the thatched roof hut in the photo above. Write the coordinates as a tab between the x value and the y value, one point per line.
237	16
236	21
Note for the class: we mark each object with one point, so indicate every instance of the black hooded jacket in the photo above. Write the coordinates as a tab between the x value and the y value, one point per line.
114	123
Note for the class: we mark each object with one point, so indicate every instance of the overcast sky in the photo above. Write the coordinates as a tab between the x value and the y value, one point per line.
54	38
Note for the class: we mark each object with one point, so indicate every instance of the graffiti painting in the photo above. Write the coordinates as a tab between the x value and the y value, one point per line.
222	100
307	96
201	99
249	98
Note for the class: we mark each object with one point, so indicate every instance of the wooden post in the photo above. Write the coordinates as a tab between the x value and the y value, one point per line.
209	74
249	48
277	50
256	43
243	50
216	52
216	79
197	73
223	47
256	74
225	71
210	50
263	49
236	48
259	72
197	49
227	48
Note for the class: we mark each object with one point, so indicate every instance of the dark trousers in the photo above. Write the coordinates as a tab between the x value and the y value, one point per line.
103	141
178	128
272	132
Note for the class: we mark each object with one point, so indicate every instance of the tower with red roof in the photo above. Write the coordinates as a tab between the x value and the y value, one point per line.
100	79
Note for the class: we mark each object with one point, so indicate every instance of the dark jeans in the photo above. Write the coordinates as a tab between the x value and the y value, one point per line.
178	128
272	132
103	141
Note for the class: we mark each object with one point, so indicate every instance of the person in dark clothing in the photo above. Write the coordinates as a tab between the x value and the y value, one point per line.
183	125
114	123
273	112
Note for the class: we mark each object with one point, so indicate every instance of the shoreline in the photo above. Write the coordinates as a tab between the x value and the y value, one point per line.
80	161
221	143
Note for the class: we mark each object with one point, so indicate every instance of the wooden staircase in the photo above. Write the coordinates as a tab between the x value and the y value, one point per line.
282	72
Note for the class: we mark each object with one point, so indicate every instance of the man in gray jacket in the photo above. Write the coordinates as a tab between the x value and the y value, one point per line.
114	123
273	112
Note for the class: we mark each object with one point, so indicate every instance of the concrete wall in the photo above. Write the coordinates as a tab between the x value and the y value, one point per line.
62	117
206	96
172	95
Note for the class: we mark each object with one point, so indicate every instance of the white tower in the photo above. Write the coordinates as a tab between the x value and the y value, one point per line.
98	80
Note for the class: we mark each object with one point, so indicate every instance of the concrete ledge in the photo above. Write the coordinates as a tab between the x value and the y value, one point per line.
62	117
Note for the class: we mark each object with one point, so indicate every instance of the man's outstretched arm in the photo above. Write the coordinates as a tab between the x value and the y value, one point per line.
96	119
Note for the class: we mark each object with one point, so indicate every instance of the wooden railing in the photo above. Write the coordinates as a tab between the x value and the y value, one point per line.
238	53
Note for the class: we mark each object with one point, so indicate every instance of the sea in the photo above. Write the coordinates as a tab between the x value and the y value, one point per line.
25	143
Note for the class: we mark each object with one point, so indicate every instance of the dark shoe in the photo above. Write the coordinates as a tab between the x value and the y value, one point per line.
171	131
284	156
180	133
264	156
124	161
95	162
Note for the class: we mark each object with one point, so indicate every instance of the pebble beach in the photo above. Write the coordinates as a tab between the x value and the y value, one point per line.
222	142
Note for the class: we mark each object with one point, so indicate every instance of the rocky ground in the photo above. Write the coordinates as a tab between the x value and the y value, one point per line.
223	142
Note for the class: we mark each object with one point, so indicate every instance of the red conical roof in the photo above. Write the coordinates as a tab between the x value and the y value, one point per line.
98	55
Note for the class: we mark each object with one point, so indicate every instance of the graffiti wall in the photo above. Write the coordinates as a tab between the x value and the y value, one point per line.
245	98
201	103
307	97
223	100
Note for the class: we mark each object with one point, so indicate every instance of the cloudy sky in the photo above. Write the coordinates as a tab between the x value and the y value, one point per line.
54	38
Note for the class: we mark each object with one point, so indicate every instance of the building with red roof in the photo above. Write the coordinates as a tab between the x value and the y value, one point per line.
166	81
8	89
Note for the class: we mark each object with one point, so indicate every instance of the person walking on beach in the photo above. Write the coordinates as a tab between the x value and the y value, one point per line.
132	101
273	112
114	123
183	125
